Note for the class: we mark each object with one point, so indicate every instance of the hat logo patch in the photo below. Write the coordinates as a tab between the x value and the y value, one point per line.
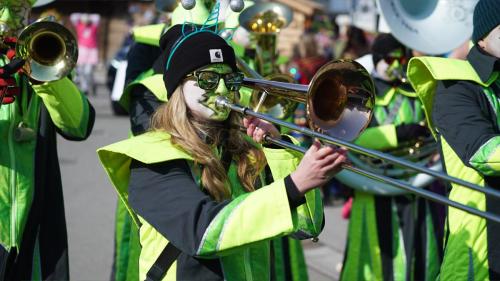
216	55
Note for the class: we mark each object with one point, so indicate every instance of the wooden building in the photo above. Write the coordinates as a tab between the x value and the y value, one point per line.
303	12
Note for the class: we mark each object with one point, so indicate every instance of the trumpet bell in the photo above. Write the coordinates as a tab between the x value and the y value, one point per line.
50	50
341	99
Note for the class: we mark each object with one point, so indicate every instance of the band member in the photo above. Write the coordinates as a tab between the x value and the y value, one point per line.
140	103
33	239
462	102
193	182
143	95
392	237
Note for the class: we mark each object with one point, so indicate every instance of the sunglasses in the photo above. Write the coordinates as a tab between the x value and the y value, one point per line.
391	60
209	80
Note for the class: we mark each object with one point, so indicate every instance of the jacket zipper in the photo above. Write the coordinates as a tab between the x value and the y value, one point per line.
13	189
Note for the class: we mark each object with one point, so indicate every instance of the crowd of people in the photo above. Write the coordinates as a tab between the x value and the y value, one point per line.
203	195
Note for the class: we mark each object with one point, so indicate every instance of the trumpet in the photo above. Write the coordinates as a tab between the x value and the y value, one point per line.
49	49
339	103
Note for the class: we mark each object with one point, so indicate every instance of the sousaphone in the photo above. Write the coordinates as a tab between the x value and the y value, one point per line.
433	27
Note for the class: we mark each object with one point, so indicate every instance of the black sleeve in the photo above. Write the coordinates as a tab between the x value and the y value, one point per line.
166	196
463	117
292	192
143	104
140	58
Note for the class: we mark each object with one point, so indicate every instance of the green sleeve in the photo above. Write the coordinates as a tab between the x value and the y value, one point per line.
487	158
379	138
252	217
308	216
67	107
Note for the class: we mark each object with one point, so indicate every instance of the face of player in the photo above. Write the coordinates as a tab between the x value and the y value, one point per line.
392	67
13	16
201	101
491	43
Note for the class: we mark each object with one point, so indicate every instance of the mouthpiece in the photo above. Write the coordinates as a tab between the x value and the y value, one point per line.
221	102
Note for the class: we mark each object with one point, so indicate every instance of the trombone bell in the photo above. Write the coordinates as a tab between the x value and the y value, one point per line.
340	99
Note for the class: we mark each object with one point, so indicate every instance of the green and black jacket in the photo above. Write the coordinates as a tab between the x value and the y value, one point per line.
227	240
33	242
462	104
389	237
394	105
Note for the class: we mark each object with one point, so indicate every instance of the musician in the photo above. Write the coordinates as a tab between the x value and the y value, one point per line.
140	103
144	93
194	180
33	239
142	97
462	102
390	236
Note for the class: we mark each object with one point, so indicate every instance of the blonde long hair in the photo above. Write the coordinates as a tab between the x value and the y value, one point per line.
175	118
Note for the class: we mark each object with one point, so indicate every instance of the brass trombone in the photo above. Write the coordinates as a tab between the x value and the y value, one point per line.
339	103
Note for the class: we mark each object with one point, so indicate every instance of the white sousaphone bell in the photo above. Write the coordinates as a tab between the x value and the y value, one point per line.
433	27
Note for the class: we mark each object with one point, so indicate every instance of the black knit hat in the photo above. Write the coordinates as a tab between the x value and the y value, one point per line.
383	45
486	17
190	52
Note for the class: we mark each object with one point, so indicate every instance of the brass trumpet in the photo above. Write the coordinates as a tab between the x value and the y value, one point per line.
339	104
50	50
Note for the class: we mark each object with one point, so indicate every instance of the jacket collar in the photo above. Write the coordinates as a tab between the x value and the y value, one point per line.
484	64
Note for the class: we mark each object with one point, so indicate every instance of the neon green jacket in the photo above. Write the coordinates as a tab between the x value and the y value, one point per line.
29	172
242	248
466	250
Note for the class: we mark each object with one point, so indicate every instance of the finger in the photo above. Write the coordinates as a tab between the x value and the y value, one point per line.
327	160
257	122
343	150
250	130
324	151
7	100
339	161
333	167
258	135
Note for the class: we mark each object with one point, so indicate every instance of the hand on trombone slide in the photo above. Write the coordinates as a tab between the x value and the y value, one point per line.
257	128
319	164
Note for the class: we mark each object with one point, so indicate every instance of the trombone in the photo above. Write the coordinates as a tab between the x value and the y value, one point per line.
339	103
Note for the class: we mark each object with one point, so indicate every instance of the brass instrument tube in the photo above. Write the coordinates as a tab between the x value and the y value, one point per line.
397	183
223	102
